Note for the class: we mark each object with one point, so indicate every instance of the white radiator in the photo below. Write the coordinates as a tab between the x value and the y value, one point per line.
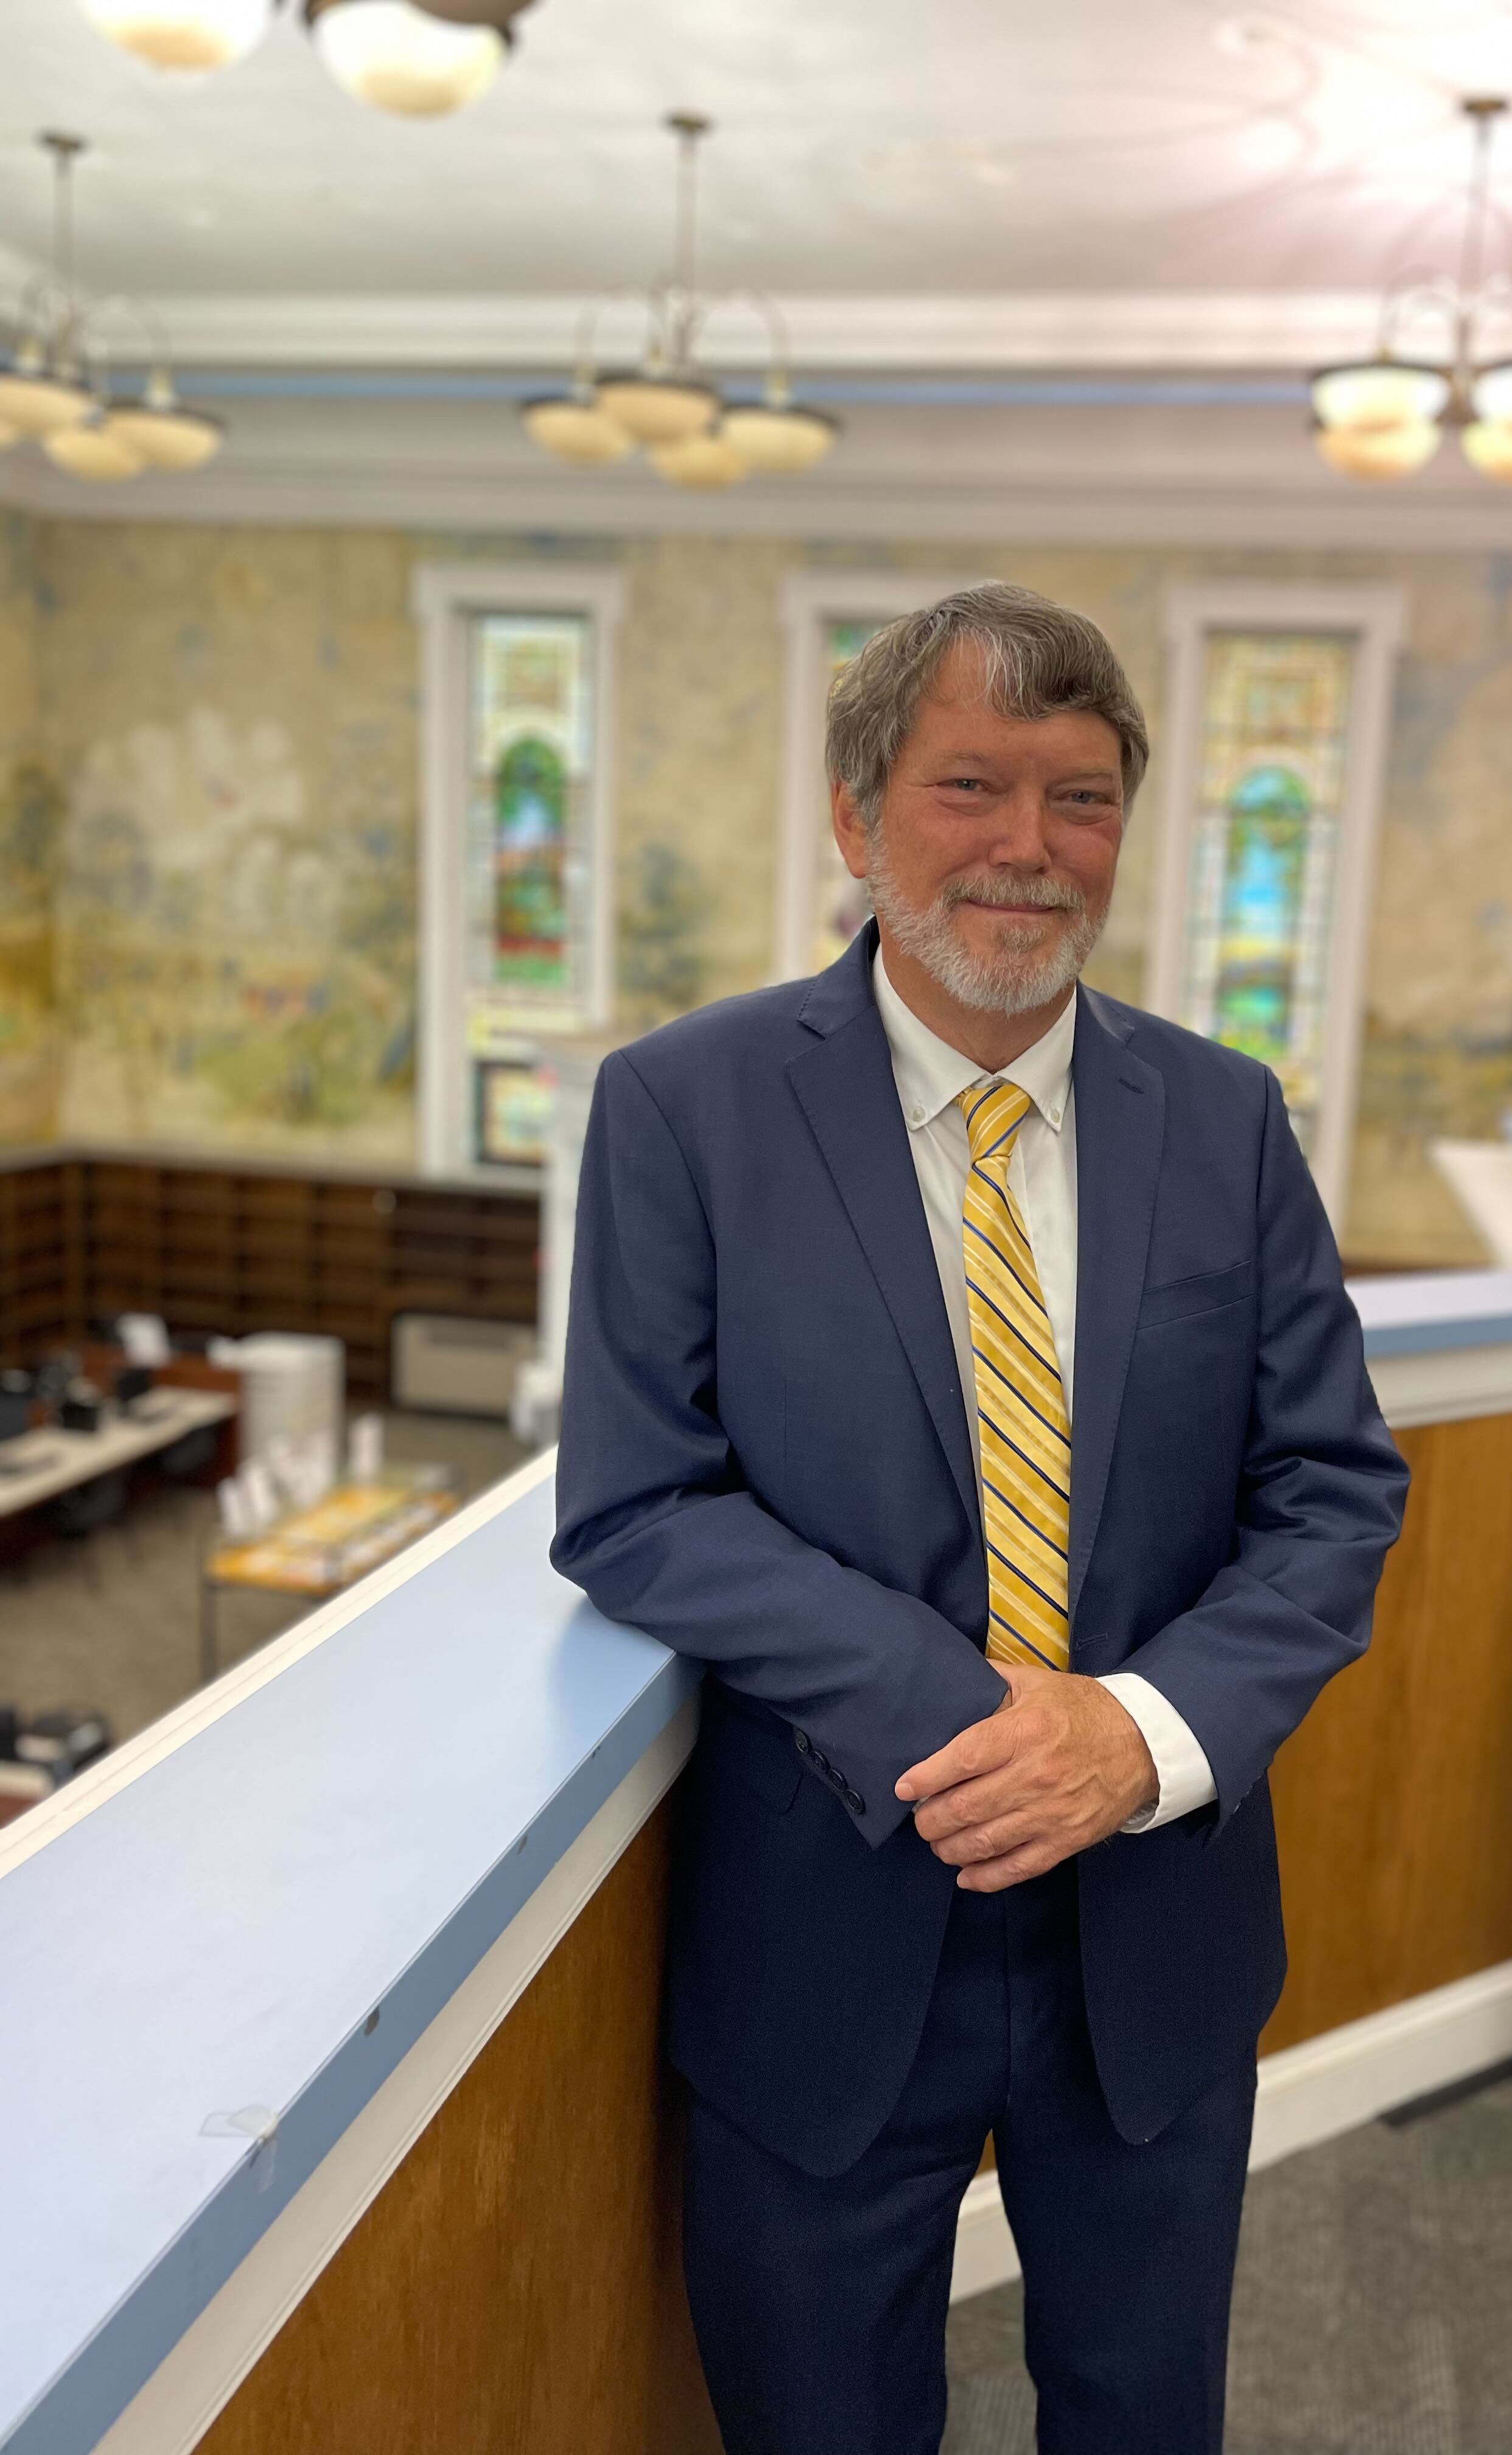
454	1365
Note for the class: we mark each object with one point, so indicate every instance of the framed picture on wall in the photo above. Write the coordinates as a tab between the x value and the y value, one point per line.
513	1106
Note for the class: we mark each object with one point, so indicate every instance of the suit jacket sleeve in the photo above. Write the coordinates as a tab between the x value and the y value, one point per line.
1320	1505
654	1521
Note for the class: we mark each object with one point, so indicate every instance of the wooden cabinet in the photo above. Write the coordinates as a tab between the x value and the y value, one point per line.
231	1250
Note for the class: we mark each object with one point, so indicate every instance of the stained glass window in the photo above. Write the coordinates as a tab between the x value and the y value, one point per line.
839	899
529	762
1276	711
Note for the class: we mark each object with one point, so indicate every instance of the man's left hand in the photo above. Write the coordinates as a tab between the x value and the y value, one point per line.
1057	1767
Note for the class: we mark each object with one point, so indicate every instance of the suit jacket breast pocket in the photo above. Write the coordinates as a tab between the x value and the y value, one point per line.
1205	1292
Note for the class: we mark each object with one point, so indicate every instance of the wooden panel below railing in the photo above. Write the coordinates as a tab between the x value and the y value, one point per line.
515	2288
1394	1800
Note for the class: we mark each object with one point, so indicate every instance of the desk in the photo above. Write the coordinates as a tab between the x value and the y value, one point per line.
335	2117
326	1548
39	1465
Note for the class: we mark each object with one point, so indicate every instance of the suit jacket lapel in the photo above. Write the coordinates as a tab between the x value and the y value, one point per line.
844	1084
1120	1126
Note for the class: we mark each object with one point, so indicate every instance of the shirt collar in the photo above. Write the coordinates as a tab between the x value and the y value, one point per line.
930	1074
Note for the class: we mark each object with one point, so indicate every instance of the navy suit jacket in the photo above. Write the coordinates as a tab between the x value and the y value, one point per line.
765	1461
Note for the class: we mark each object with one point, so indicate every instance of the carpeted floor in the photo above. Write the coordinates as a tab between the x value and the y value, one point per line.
1372	2310
111	1619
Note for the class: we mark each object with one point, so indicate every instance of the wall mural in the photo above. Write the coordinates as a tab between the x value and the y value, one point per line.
233	966
30	814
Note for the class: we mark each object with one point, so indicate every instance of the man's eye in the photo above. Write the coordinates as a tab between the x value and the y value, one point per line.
965	785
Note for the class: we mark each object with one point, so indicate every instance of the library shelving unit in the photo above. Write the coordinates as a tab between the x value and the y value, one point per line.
235	1248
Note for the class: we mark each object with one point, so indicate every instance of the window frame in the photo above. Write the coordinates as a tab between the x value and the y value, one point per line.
1375	614
811	598
444	599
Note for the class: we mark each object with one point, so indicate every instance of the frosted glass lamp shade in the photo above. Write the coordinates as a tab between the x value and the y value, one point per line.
398	59
779	440
576	430
184	35
1379	393
1487	446
1491	393
1379	453
169	437
702	461
658	408
94	451
36	402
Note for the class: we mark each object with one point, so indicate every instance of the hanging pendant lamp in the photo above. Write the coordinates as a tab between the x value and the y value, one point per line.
668	404
1384	417
55	390
418	58
183	35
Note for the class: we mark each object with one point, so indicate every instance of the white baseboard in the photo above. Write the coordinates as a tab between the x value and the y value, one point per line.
1309	2094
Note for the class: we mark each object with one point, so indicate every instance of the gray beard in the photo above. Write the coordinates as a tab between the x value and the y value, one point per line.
1009	980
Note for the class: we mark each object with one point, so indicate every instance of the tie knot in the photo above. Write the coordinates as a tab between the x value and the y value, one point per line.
993	1113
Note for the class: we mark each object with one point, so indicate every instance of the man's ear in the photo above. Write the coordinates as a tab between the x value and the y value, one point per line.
849	829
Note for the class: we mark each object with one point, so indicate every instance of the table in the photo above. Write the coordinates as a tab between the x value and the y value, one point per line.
37	1466
321	1549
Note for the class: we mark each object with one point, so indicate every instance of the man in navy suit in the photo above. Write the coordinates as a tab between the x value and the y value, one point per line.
959	1367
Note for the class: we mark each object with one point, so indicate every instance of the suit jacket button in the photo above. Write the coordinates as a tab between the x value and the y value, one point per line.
855	1802
817	1756
800	1740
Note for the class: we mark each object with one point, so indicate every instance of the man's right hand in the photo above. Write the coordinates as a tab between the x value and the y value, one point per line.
1060	1766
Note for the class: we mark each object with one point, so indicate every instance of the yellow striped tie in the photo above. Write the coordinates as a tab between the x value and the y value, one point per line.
1021	1405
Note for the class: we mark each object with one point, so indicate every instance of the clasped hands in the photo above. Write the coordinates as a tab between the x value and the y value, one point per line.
1057	1767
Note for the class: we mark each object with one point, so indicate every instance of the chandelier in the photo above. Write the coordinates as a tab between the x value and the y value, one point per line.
667	404
56	391
416	57
1385	417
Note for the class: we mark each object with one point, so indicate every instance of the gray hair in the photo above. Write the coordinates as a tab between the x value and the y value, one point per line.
1038	658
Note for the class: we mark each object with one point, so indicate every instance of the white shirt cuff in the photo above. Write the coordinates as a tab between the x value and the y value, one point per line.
1186	1778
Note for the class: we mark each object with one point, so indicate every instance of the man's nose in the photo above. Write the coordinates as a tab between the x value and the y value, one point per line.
1017	840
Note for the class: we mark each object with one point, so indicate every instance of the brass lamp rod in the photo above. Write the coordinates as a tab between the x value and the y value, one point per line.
1482	110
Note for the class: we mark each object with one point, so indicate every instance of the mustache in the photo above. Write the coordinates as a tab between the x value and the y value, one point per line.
1044	894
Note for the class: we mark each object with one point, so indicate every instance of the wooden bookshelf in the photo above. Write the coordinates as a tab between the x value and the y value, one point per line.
225	1250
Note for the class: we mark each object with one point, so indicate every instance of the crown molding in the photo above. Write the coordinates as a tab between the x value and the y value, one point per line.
482	498
1166	329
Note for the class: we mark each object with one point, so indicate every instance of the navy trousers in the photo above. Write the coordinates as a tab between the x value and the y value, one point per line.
819	2305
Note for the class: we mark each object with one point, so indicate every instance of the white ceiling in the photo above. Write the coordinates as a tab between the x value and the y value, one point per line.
954	168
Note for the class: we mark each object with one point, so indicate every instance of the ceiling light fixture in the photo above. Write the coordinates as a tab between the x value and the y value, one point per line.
57	389
183	35
668	404
419	58
1382	419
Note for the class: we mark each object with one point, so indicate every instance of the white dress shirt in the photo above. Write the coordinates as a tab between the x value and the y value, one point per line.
1042	1177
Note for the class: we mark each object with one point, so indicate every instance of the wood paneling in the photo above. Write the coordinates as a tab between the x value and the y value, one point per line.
1394	1800
515	2289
